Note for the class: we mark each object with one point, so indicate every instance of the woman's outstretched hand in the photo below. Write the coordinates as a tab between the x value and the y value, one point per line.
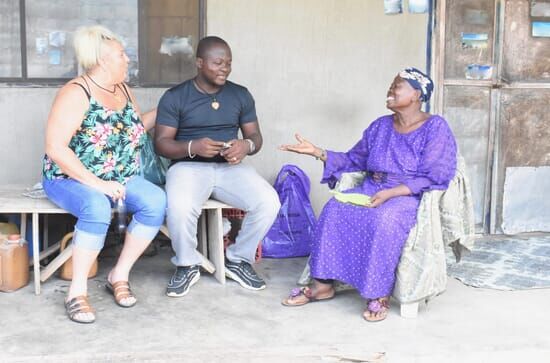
302	147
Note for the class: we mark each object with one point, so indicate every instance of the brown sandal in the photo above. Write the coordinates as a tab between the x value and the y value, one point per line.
121	291
379	306
79	305
305	292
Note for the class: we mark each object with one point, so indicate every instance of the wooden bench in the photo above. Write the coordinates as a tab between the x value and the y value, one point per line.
12	201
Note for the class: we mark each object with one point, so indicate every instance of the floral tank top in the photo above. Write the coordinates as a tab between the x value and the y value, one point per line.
108	143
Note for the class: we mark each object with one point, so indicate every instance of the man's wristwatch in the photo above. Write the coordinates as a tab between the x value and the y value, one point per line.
251	145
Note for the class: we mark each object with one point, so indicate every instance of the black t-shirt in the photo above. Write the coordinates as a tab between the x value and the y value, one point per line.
190	111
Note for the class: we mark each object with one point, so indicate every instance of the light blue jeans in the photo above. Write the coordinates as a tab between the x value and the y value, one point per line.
190	184
145	200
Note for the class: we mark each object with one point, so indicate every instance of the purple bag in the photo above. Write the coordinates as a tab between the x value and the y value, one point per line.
292	232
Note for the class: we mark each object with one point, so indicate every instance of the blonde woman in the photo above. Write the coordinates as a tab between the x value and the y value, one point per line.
93	139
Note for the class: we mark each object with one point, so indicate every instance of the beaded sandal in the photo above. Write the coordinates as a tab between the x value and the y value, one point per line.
377	310
307	293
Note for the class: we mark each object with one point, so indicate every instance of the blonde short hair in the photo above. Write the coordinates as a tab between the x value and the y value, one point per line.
88	41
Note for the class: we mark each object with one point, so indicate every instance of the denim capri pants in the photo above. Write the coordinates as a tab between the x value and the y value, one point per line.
145	200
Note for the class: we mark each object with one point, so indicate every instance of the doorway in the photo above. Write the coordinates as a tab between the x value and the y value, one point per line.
492	71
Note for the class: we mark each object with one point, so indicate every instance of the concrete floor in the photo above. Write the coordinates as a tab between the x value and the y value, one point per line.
225	323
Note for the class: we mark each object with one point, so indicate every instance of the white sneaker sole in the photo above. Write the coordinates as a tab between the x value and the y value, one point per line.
193	282
236	278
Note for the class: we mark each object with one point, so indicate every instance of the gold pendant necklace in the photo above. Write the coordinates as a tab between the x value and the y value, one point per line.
215	104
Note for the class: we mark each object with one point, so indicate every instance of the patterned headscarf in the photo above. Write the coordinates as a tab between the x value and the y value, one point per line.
419	81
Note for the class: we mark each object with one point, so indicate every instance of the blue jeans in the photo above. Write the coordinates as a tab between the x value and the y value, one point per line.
145	200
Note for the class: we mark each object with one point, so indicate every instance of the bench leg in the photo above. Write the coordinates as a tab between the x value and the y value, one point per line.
45	237
409	311
206	264
215	243
23	230
47	252
57	262
203	242
35	253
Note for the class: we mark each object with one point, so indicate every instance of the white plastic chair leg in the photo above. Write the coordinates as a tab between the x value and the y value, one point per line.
409	311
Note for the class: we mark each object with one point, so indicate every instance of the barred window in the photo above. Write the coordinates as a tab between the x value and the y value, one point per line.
159	36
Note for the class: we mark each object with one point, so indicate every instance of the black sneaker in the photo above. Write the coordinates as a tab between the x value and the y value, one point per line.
182	280
244	274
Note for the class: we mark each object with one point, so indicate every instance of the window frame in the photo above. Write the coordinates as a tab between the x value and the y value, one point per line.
142	40
24	80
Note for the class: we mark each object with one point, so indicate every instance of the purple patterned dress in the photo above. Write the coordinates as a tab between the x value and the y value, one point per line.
361	246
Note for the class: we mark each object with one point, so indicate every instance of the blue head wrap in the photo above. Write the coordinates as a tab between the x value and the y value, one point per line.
419	81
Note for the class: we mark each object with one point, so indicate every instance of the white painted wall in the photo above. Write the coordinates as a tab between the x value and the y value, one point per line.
318	67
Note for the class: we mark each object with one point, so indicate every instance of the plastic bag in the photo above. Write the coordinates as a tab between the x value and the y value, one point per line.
292	232
153	167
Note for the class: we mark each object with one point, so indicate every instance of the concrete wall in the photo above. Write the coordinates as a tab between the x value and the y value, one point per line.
317	67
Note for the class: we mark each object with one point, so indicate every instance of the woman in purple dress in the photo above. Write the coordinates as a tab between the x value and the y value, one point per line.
405	154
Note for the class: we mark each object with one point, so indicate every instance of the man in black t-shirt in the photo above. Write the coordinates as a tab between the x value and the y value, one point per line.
197	127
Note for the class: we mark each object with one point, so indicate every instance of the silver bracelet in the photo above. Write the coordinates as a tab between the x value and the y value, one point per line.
189	150
252	146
